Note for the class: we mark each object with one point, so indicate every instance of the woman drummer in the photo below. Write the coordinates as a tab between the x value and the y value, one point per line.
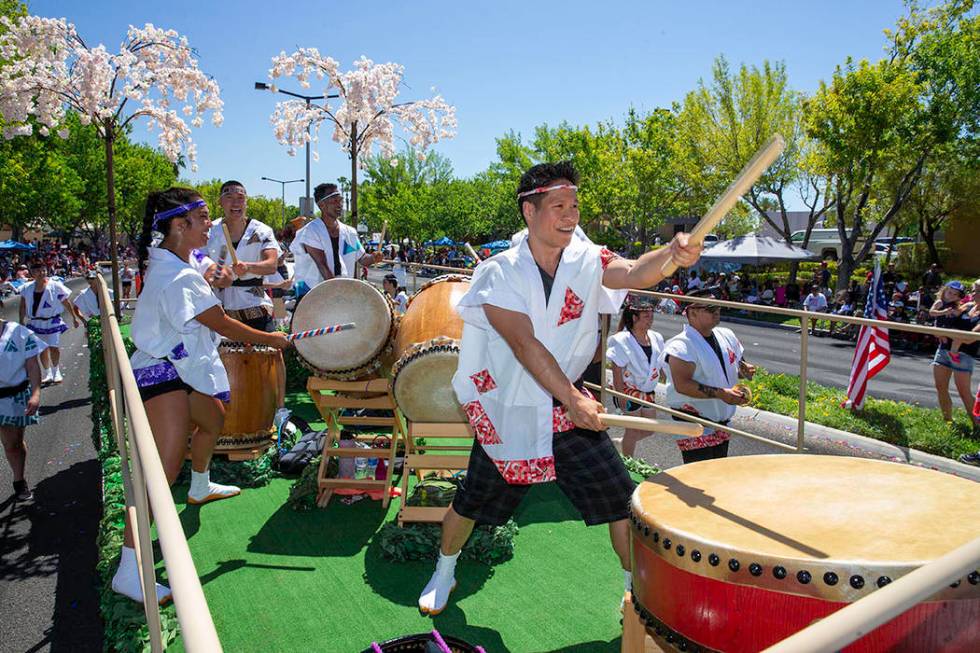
181	379
635	353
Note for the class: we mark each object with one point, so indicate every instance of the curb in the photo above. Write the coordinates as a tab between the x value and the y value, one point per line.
824	439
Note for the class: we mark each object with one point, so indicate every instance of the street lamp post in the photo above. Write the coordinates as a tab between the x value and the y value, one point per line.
279	181
306	205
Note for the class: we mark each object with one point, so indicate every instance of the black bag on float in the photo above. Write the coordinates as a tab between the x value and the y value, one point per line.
308	447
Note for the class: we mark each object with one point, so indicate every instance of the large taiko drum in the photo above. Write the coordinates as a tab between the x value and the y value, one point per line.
345	355
257	379
427	347
739	553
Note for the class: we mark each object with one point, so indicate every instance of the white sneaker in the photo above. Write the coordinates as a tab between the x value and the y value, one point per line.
57	378
46	377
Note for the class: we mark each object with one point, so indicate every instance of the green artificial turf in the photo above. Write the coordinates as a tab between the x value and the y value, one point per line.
280	580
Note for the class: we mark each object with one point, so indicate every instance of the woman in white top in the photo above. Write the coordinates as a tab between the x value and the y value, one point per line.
634	353
178	371
42	302
20	396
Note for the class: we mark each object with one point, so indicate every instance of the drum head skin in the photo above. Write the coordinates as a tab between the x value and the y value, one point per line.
820	514
423	386
334	302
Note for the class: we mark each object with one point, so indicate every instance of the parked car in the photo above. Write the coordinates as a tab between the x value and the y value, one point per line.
825	242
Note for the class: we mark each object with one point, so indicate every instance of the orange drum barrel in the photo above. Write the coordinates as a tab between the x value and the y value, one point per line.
346	355
427	347
739	553
256	376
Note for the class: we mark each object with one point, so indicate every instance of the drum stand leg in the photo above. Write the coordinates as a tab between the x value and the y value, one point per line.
634	633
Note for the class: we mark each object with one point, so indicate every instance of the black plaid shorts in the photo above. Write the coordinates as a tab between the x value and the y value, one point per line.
588	470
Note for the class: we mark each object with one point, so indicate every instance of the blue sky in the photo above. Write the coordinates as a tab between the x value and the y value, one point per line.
504	65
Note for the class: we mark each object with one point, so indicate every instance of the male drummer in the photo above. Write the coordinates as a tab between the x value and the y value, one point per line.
704	362
327	248
258	252
529	333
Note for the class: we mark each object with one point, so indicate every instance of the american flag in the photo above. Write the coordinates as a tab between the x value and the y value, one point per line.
873	351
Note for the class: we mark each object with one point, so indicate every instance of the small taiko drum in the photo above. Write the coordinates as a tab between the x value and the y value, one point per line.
427	347
345	355
257	379
738	554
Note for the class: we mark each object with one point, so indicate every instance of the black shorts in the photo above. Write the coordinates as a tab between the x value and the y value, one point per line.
589	471
264	323
157	389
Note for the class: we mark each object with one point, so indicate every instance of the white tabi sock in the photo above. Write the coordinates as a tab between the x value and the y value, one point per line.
203	489
435	596
127	579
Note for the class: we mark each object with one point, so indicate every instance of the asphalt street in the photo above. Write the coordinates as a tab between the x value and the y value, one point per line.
908	378
48	598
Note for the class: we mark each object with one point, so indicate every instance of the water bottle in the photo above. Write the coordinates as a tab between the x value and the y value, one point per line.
345	466
360	467
372	468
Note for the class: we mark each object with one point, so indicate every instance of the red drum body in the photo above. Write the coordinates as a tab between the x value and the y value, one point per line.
257	379
738	554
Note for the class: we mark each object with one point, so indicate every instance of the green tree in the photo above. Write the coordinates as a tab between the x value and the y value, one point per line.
879	125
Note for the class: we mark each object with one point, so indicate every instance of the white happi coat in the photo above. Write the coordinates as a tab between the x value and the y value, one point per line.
88	303
512	415
167	336
18	344
639	372
690	346
47	319
256	239
315	234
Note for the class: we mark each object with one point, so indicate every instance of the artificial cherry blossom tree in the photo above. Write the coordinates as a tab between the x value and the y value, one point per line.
367	112
49	70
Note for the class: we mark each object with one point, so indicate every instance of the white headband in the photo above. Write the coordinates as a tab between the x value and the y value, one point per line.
545	189
326	197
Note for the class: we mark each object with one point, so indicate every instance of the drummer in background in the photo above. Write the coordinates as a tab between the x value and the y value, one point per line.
327	248
704	363
42	302
258	253
529	332
635	352
396	293
86	305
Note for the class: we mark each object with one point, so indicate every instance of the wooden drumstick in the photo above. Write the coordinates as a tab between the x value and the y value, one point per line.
322	331
748	176
381	240
472	252
689	429
231	248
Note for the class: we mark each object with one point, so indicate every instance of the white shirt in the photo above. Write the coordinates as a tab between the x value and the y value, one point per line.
257	238
639	371
165	329
17	345
315	235
689	345
512	415
47	319
815	302
401	302
88	303
694	282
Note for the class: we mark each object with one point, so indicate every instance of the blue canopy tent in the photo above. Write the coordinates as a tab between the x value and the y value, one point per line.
445	241
14	246
497	244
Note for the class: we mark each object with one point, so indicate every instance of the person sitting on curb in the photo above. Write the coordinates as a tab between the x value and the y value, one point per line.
815	302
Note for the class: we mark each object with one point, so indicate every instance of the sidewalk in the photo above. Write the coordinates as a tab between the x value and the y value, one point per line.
662	452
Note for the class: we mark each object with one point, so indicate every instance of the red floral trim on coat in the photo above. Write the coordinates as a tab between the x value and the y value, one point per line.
633	391
480	421
560	421
483	381
731	357
703	441
572	309
526	472
607	257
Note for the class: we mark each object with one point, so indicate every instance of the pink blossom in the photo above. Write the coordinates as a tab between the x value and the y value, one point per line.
49	70
367	111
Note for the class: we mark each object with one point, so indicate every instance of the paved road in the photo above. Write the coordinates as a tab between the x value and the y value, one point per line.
907	378
48	599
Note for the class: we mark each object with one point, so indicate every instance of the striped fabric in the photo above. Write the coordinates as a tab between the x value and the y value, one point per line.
873	350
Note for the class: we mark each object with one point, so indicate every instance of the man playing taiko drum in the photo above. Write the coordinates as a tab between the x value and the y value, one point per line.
529	333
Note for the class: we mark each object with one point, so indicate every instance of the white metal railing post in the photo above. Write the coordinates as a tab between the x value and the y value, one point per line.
804	341
147	486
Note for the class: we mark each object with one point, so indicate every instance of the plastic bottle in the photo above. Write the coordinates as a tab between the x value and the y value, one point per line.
345	466
372	468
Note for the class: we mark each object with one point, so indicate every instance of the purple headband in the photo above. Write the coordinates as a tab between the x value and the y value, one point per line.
177	210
